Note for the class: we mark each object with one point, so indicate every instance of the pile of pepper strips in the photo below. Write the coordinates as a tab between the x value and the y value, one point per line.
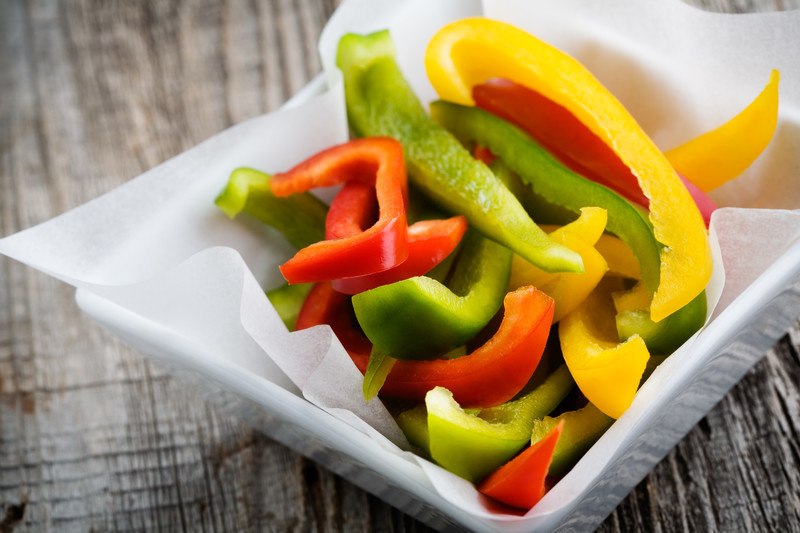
523	133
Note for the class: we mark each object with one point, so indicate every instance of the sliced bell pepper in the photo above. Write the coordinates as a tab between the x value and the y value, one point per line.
564	136
471	446
668	335
568	289
521	482
560	186
555	128
607	372
323	305
380	102
725	152
377	161
471	51
581	429
300	218
489	376
519	413
620	259
419	318
494	372
553	181
429	241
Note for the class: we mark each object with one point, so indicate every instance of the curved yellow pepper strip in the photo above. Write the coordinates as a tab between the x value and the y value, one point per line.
607	372
568	290
632	300
471	51
721	154
620	258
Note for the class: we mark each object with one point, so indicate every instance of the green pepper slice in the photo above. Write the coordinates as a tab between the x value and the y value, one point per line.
554	184
666	336
380	102
582	428
553	181
420	318
300	218
472	443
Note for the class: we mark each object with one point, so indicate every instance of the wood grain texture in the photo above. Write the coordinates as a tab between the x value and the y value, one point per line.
95	437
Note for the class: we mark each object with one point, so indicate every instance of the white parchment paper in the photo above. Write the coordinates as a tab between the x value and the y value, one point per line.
158	247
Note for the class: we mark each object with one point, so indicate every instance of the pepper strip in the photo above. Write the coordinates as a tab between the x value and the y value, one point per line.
429	241
489	376
722	154
568	289
521	482
552	181
471	446
581	429
471	51
570	141
607	372
420	318
323	305
512	419
377	161
493	373
564	136
380	102
301	218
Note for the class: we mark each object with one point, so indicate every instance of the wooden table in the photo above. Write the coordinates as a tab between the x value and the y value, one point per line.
94	437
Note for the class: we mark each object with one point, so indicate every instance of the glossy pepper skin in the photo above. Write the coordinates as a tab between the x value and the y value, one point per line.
376	161
607	372
564	136
568	289
723	153
300	218
380	102
521	482
553	181
492	373
471	51
420	318
472	444
559	186
429	241
581	429
515	417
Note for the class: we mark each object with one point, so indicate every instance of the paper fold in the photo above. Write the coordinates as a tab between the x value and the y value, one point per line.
158	247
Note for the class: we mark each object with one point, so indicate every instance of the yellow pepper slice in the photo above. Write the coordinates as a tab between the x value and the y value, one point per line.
471	51
568	290
620	258
723	153
607	372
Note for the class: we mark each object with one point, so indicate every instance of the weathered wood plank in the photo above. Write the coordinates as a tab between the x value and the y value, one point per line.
93	436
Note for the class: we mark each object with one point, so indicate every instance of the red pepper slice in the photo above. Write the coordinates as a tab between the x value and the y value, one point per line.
376	161
429	241
567	138
489	376
555	128
521	481
323	305
494	372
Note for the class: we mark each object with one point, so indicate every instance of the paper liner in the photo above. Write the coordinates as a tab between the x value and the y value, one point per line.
155	245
